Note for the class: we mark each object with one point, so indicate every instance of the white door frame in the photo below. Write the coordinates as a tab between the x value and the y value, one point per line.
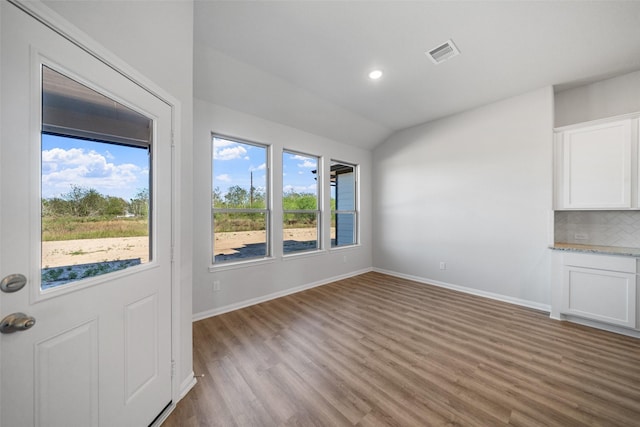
0	187
46	16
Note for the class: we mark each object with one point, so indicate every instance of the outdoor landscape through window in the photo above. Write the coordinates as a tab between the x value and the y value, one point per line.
301	210
239	200
95	187
100	223
241	204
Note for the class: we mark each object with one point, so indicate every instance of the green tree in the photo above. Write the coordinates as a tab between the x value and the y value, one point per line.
115	206
259	199
79	202
300	201
216	198
56	207
139	205
236	197
92	203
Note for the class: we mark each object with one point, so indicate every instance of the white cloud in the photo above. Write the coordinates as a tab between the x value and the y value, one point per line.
223	178
218	142
307	164
229	152
63	168
259	168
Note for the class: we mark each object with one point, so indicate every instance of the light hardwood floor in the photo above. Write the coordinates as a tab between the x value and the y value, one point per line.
376	350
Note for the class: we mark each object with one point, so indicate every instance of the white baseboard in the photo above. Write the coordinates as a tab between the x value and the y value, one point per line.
472	291
253	301
599	325
186	386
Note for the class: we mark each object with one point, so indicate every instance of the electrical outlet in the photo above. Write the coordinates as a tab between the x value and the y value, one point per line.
581	236
443	265
344	259
216	285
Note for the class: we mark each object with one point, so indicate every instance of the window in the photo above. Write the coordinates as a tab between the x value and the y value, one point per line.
240	200
344	214
95	187
301	211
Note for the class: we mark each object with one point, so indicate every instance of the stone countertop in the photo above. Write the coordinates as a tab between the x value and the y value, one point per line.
606	250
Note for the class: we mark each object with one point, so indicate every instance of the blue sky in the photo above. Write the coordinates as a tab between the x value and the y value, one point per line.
297	175
112	170
233	163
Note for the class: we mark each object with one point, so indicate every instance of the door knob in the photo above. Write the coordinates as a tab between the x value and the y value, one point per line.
16	322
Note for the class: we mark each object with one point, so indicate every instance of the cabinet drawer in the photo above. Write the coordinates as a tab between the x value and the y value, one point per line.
606	296
601	262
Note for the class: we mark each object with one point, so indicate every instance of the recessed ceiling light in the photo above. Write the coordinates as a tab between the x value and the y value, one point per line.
375	74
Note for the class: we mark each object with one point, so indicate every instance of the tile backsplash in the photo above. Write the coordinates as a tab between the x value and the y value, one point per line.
603	228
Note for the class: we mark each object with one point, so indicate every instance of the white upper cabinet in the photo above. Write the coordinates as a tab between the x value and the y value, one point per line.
596	166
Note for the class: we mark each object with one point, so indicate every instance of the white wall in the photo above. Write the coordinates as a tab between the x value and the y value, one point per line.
226	81
255	282
473	190
156	39
606	98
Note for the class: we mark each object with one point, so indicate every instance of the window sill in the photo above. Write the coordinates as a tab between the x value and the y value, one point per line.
345	247
305	254
289	257
240	264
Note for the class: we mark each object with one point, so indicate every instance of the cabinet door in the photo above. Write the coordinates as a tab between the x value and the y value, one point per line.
596	166
606	296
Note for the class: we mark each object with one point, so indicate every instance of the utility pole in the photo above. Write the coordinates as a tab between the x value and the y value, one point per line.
251	191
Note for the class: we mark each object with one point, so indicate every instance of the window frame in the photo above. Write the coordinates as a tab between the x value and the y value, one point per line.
319	204
356	204
267	210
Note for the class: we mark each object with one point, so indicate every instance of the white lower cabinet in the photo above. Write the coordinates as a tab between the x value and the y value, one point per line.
600	287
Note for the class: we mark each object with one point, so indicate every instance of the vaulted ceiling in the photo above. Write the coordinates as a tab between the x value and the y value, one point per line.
305	63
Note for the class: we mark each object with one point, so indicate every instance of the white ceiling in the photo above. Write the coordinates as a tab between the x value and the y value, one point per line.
305	63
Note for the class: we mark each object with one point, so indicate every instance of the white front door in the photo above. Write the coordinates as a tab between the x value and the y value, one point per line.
99	353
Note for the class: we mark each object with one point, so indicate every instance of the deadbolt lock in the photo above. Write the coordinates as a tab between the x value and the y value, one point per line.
13	283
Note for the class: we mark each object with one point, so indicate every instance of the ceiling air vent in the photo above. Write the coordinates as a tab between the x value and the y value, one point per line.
443	52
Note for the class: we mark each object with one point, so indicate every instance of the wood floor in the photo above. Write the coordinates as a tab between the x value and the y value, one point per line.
375	350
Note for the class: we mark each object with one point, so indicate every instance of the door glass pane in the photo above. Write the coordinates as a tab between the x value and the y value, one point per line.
94	191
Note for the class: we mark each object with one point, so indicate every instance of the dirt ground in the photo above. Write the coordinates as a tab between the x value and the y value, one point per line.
74	252
227	243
